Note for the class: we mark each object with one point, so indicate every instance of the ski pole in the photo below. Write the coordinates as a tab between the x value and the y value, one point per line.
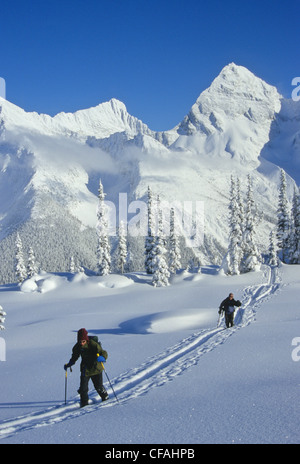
66	384
109	382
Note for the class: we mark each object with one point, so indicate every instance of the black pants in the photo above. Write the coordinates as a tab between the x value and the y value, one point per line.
84	386
229	319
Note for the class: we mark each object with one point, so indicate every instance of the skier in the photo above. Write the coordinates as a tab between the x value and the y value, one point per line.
91	367
227	306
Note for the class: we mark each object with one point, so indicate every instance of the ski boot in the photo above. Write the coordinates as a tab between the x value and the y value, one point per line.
103	394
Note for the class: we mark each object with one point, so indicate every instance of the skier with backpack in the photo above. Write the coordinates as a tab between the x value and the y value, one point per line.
91	367
228	306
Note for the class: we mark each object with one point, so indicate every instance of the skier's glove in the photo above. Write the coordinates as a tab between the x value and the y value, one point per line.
67	366
101	359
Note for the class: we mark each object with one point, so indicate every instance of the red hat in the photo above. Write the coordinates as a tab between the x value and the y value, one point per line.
82	335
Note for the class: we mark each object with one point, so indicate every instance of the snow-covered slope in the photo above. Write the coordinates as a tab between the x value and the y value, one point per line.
50	166
283	148
178	377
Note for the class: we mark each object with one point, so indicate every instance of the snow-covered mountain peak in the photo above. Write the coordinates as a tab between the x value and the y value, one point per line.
236	93
231	120
100	121
233	76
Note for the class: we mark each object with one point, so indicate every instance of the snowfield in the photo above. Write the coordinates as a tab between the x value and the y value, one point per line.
178	377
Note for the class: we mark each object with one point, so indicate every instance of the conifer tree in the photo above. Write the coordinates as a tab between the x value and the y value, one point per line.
283	220
272	258
103	247
240	212
31	265
72	268
251	257
235	236
295	230
122	248
20	269
175	257
161	273
150	238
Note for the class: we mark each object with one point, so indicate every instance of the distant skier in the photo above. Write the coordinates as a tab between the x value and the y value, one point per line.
227	306
92	357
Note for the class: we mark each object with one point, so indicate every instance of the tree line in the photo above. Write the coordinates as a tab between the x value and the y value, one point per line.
161	260
162	256
284	240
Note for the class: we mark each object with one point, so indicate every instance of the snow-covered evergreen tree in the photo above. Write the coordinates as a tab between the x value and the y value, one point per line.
251	257
150	238
103	247
283	220
242	255
161	272
31	264
130	260
2	318
240	211
272	258
235	235
294	241
122	248
20	269
72	268
175	257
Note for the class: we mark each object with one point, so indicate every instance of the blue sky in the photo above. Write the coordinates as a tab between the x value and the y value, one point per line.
156	56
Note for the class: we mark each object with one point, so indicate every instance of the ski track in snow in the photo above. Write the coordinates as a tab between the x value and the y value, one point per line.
157	370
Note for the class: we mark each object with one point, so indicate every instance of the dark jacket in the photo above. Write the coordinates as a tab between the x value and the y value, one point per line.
89	365
224	306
